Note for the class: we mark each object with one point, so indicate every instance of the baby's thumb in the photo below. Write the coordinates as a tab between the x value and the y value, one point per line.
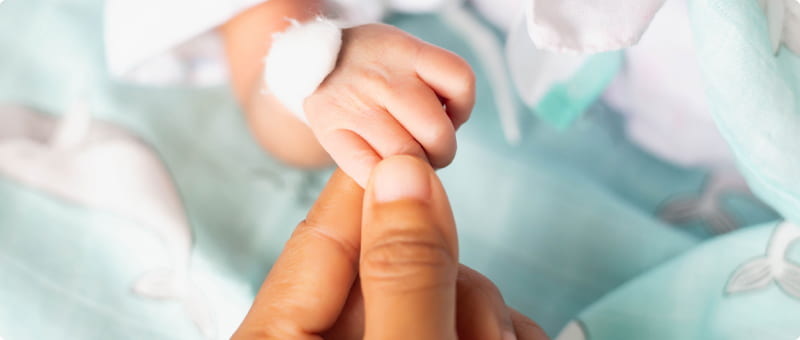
409	253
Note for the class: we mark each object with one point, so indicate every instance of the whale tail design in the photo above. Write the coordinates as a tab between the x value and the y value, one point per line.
707	205
79	159
167	284
689	209
760	272
774	267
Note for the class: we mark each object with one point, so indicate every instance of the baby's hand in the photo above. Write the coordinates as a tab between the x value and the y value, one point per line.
390	94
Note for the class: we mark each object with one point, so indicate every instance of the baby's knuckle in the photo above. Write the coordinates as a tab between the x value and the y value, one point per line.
470	80
407	147
440	137
364	158
375	76
440	133
466	81
462	74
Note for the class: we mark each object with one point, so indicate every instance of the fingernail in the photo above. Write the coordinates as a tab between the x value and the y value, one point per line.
508	335
401	177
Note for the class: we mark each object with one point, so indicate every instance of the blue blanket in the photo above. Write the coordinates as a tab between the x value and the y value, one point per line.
565	223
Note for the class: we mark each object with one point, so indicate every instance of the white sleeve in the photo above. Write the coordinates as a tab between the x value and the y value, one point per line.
555	50
588	26
167	41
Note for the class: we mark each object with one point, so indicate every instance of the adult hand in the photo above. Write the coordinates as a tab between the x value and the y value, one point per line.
390	271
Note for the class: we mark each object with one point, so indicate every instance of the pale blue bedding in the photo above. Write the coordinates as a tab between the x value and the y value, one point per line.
565	223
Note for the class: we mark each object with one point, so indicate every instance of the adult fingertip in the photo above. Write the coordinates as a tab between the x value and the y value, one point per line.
401	178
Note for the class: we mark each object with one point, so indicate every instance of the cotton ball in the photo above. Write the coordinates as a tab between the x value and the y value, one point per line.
299	60
419	6
501	13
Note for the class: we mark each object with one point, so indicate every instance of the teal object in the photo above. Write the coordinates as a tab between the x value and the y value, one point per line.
569	100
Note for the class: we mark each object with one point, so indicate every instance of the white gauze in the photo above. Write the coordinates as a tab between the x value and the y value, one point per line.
300	59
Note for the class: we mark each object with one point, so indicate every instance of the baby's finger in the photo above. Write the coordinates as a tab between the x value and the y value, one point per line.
311	280
451	78
414	105
352	153
386	135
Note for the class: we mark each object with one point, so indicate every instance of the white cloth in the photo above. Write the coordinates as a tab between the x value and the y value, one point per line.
583	26
501	13
417	6
161	42
659	90
535	71
661	93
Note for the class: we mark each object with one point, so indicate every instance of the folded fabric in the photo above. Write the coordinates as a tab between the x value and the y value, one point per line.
754	96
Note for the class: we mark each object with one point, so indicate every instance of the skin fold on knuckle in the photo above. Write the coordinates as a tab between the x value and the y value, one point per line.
468	81
310	229
334	139
375	74
463	75
463	86
407	146
332	100
363	157
404	261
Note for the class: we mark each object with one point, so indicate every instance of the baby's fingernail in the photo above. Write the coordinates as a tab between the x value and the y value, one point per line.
508	335
401	177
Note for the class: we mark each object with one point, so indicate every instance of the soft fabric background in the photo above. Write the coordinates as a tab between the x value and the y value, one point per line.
563	223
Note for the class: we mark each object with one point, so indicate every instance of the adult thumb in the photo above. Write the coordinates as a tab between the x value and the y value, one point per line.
409	253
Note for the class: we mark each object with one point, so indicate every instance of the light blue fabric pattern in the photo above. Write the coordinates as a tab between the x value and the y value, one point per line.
556	222
755	96
745	285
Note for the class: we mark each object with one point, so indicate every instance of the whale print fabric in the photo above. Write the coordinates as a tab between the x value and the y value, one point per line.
148	212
